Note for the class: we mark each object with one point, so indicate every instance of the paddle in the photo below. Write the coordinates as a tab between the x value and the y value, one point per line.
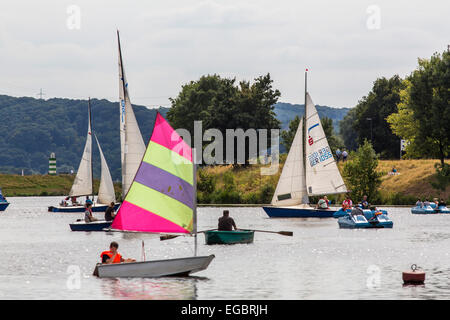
283	233
172	236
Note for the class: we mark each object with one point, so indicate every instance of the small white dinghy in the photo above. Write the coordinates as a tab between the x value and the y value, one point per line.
161	199
157	268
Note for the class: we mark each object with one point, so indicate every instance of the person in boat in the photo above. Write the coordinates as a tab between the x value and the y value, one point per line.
347	203
419	203
426	203
88	217
357	211
74	201
442	203
323	203
88	200
364	203
226	223
110	212
113	256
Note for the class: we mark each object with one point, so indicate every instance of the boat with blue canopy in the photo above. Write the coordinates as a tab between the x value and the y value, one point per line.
3	202
361	221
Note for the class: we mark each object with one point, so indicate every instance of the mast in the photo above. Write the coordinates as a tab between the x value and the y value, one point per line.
194	218
91	127
305	198
122	107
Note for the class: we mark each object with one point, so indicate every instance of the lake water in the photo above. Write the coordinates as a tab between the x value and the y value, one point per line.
43	259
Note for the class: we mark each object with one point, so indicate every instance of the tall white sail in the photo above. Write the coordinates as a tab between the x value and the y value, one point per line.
131	143
106	193
322	173
82	185
291	188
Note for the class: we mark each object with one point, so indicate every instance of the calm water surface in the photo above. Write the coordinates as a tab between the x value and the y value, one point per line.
41	258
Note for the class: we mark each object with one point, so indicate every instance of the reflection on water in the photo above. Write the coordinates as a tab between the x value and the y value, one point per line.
152	289
41	256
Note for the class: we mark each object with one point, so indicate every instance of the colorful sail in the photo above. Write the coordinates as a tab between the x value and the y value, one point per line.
322	173
82	185
291	188
161	196
131	143
106	193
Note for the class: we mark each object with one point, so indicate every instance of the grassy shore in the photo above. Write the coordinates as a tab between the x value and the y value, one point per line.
40	185
225	184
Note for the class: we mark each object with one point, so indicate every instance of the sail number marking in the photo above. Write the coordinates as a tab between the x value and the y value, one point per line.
319	156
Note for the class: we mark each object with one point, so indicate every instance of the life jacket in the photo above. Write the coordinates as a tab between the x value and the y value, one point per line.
117	259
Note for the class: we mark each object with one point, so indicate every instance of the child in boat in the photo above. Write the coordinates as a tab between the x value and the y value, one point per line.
113	256
88	217
226	223
419	203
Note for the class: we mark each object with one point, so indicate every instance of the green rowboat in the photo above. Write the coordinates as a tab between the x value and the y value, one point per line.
229	237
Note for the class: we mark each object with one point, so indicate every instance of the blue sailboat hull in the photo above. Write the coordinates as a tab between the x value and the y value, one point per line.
91	226
3	206
286	212
96	208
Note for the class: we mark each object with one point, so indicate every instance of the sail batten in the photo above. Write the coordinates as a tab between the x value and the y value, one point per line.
322	173
161	195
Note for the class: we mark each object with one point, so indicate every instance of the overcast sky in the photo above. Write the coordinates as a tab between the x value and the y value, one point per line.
345	44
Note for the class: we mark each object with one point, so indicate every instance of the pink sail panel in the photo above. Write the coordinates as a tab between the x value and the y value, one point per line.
133	218
166	136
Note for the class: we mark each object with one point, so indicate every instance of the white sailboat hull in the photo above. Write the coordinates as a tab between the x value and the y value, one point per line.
157	268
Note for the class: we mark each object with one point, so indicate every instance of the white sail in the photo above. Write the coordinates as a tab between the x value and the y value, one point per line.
291	188
322	173
106	193
82	185
131	143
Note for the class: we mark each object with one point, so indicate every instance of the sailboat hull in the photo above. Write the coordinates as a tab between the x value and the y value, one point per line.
157	268
90	226
72	209
3	206
295	212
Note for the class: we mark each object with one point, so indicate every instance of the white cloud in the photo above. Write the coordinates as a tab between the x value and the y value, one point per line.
168	43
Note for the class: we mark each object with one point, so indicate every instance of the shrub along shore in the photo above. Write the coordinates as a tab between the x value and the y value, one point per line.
230	185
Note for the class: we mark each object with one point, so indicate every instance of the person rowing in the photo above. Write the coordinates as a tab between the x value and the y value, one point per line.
113	256
226	223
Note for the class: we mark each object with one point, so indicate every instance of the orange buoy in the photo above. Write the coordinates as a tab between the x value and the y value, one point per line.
413	277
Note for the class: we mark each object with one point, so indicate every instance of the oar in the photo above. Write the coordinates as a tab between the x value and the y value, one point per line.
172	236
283	233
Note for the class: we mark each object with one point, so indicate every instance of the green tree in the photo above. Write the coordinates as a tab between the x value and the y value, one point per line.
287	136
347	132
220	104
429	100
360	173
371	113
